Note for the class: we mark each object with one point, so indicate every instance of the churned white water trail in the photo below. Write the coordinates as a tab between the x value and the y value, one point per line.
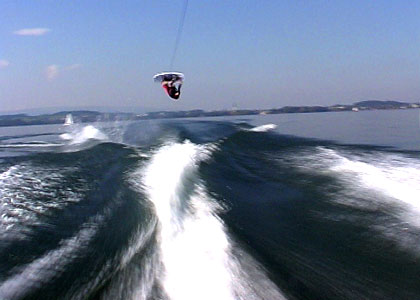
391	175
194	247
374	181
196	252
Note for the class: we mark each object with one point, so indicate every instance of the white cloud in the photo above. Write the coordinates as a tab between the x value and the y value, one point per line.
73	67
4	63
32	31
52	72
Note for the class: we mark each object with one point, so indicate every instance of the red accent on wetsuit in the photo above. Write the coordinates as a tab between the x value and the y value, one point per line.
166	88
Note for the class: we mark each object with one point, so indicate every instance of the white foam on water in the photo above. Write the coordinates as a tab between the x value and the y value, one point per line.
195	249
28	192
391	175
375	181
81	135
264	128
193	244
66	136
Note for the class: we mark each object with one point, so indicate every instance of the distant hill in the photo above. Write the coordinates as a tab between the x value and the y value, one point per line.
100	109
76	113
12	117
82	116
59	117
376	104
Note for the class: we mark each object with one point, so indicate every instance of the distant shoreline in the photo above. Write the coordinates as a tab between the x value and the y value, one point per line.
84	116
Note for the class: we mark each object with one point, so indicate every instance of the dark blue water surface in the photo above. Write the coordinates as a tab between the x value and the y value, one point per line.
296	206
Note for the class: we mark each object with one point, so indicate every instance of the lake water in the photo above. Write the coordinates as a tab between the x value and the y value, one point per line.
291	206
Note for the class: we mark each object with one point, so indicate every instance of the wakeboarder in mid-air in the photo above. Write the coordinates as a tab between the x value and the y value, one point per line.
171	82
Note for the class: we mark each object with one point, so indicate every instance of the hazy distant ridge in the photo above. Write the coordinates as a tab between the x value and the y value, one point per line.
381	104
83	116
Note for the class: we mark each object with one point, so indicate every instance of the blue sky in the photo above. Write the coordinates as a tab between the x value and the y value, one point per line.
252	54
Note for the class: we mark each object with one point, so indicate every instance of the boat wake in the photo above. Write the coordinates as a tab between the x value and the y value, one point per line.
195	250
